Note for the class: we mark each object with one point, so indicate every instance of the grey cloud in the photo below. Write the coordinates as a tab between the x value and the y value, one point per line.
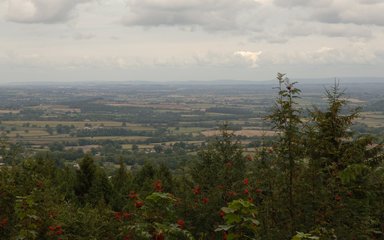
326	15
373	15
41	11
83	36
358	14
361	12
303	3
329	30
357	53
37	61
271	37
208	14
371	1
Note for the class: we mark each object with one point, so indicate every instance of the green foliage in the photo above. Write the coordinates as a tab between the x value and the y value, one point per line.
85	178
352	172
304	236
28	217
339	169
240	220
147	176
221	163
155	218
86	222
121	185
317	180
216	177
286	119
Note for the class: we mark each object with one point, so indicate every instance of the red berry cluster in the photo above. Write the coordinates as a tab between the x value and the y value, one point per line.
247	190
181	223
158	186
196	190
139	204
246	181
132	195
122	216
159	236
55	231
3	222
231	193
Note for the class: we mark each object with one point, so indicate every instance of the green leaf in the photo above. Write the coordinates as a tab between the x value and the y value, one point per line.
223	228
227	210
254	221
232	218
352	172
304	236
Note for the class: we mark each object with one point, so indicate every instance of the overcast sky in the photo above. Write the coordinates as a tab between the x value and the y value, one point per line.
184	40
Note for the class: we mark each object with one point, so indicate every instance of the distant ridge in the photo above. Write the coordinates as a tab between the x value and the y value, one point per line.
273	81
342	80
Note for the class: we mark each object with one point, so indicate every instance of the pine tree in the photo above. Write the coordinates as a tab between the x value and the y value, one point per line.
286	121
85	178
221	163
122	184
340	165
217	176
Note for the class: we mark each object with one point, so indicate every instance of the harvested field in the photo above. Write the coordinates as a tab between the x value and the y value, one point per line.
247	133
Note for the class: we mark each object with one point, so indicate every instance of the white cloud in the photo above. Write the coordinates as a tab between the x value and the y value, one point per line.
86	60
251	57
41	11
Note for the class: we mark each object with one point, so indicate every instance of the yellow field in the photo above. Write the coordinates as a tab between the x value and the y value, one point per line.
85	148
372	119
30	133
247	133
77	124
5	111
57	108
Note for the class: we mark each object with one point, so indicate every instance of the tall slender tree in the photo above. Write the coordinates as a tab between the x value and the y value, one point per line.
286	120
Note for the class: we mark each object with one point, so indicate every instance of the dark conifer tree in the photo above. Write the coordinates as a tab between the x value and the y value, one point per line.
85	178
286	120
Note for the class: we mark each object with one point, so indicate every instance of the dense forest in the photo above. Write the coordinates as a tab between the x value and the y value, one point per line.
317	179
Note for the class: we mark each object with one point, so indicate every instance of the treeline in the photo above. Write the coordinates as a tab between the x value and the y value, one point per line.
377	106
316	180
228	110
102	131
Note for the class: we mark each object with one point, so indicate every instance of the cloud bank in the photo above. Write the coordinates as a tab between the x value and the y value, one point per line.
41	11
360	12
208	14
223	37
